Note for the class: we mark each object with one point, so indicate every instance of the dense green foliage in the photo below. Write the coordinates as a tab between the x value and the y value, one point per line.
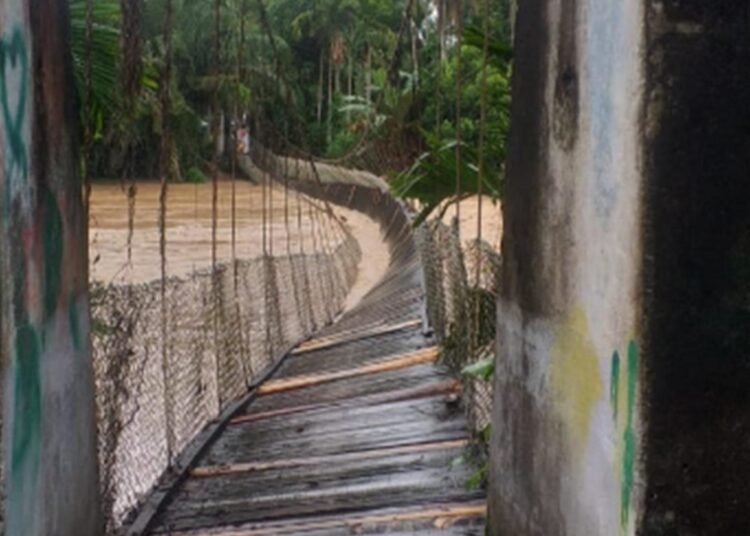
327	75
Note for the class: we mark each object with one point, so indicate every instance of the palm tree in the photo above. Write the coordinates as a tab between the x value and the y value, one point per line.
105	51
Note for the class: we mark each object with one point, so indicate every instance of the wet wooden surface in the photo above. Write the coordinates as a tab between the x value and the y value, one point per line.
359	432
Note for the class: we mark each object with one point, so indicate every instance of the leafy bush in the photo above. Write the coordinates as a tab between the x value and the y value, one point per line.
342	143
195	175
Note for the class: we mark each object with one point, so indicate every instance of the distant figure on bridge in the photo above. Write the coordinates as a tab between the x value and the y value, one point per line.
243	140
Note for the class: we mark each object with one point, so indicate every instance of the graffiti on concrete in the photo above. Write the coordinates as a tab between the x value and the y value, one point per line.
14	71
27	342
577	384
44	314
623	394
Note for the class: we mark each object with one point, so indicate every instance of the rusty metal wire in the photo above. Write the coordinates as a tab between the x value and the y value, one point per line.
173	353
461	285
159	385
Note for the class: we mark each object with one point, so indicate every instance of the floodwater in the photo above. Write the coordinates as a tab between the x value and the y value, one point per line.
295	223
292	223
491	227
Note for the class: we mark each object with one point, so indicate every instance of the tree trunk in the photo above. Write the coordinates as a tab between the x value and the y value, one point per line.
441	23
368	75
414	54
50	446
321	67
337	79
329	121
350	86
220	134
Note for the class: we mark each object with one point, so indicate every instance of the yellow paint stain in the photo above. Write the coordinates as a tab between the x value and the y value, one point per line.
575	378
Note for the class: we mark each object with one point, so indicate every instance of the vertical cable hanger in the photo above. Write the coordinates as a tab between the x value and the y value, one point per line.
240	57
263	187
166	171
482	165
289	253
233	152
320	249
459	91
233	145
264	233
131	75
216	127
302	234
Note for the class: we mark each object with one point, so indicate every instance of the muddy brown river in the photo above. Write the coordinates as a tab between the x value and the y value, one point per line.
189	229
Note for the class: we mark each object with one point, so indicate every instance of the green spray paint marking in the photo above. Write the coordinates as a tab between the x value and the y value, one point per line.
53	253
27	395
627	446
75	324
13	55
614	384
26	431
628	456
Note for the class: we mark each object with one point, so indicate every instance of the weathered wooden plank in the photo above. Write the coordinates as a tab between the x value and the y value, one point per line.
353	354
465	516
356	334
335	459
435	466
427	355
346	419
412	378
335	433
446	387
417	487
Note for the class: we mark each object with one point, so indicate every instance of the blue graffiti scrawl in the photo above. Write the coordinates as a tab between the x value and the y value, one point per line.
14	59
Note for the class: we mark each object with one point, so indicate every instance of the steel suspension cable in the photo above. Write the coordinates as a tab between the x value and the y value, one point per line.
131	81
459	91
216	127
305	272
482	166
166	170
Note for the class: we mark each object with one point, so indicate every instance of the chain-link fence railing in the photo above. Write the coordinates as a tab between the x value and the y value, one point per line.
461	289
460	273
165	367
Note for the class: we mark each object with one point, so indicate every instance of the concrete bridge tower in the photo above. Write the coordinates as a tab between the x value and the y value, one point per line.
49	434
623	375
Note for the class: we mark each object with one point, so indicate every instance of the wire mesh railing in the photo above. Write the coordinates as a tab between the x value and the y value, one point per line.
171	355
461	282
460	266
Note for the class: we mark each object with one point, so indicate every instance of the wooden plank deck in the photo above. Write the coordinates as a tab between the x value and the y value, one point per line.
357	433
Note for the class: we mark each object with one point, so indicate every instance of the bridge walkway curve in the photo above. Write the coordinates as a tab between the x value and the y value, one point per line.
359	431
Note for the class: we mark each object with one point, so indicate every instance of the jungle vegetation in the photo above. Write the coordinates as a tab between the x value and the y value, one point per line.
411	79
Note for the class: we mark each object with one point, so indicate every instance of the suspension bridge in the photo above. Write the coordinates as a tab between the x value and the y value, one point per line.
357	429
234	391
215	375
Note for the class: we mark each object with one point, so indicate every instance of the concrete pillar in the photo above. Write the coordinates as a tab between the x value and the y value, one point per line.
622	378
50	454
